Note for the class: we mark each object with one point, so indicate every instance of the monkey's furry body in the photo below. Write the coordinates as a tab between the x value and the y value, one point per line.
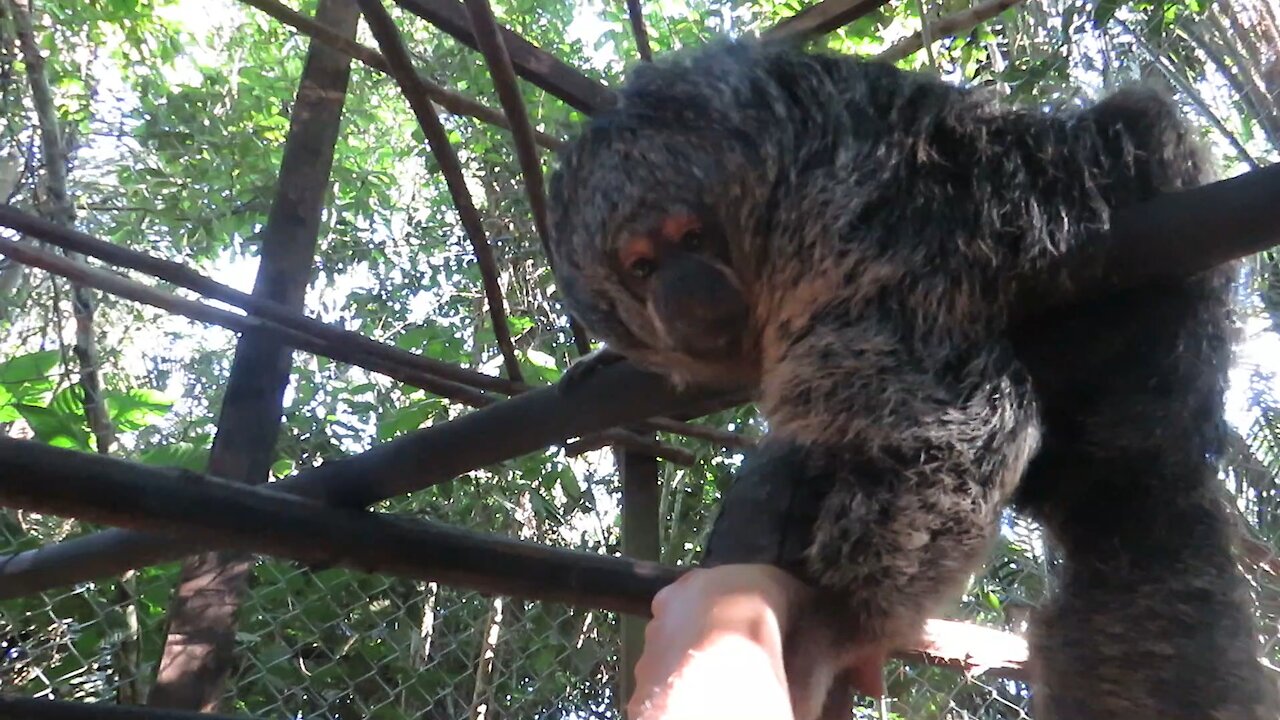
875	223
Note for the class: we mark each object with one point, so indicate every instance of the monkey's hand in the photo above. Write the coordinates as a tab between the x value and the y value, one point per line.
585	366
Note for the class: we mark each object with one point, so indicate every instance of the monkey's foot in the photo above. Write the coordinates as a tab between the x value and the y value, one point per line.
585	366
865	674
823	674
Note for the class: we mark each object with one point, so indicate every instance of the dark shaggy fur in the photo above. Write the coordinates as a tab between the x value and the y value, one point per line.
878	220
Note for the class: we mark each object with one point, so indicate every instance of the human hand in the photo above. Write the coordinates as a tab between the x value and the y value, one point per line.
714	646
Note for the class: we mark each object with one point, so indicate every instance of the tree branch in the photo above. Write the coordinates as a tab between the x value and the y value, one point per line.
58	207
454	102
822	18
196	657
530	61
401	67
489	40
1175	235
954	24
635	15
612	396
320	338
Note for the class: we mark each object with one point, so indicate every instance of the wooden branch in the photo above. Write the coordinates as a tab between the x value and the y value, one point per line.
822	18
321	345
530	61
198	509
953	24
1173	236
455	383
56	204
193	669
641	531
634	442
195	510
636	16
489	41
25	708
401	67
326	346
630	441
614	395
454	102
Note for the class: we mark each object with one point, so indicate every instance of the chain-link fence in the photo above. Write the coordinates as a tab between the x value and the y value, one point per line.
322	643
337	644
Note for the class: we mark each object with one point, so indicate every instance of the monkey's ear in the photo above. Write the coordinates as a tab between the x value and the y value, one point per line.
1136	110
1144	126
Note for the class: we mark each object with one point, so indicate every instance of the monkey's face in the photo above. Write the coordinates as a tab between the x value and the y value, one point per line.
646	262
654	212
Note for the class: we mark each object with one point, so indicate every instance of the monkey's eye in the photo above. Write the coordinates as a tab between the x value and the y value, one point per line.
692	240
642	267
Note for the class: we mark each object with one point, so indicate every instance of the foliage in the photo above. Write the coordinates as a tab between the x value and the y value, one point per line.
177	111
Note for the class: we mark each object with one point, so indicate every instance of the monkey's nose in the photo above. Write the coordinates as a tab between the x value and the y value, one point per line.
704	312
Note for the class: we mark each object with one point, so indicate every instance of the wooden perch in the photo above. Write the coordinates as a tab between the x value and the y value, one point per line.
199	511
441	378
401	66
209	512
635	16
615	395
1172	236
488	38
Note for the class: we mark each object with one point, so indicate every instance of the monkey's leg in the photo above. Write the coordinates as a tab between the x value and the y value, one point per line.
1152	619
921	446
901	532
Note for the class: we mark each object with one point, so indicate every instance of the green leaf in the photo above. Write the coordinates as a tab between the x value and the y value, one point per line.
56	427
408	418
137	408
29	368
183	455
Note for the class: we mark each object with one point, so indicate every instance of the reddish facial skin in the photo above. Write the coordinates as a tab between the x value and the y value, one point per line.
654	244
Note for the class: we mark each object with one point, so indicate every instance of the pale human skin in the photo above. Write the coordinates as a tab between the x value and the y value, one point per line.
714	646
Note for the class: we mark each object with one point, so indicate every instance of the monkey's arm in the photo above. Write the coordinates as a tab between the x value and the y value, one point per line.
921	445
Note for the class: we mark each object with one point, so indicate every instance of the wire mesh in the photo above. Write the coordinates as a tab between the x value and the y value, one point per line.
337	644
332	643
